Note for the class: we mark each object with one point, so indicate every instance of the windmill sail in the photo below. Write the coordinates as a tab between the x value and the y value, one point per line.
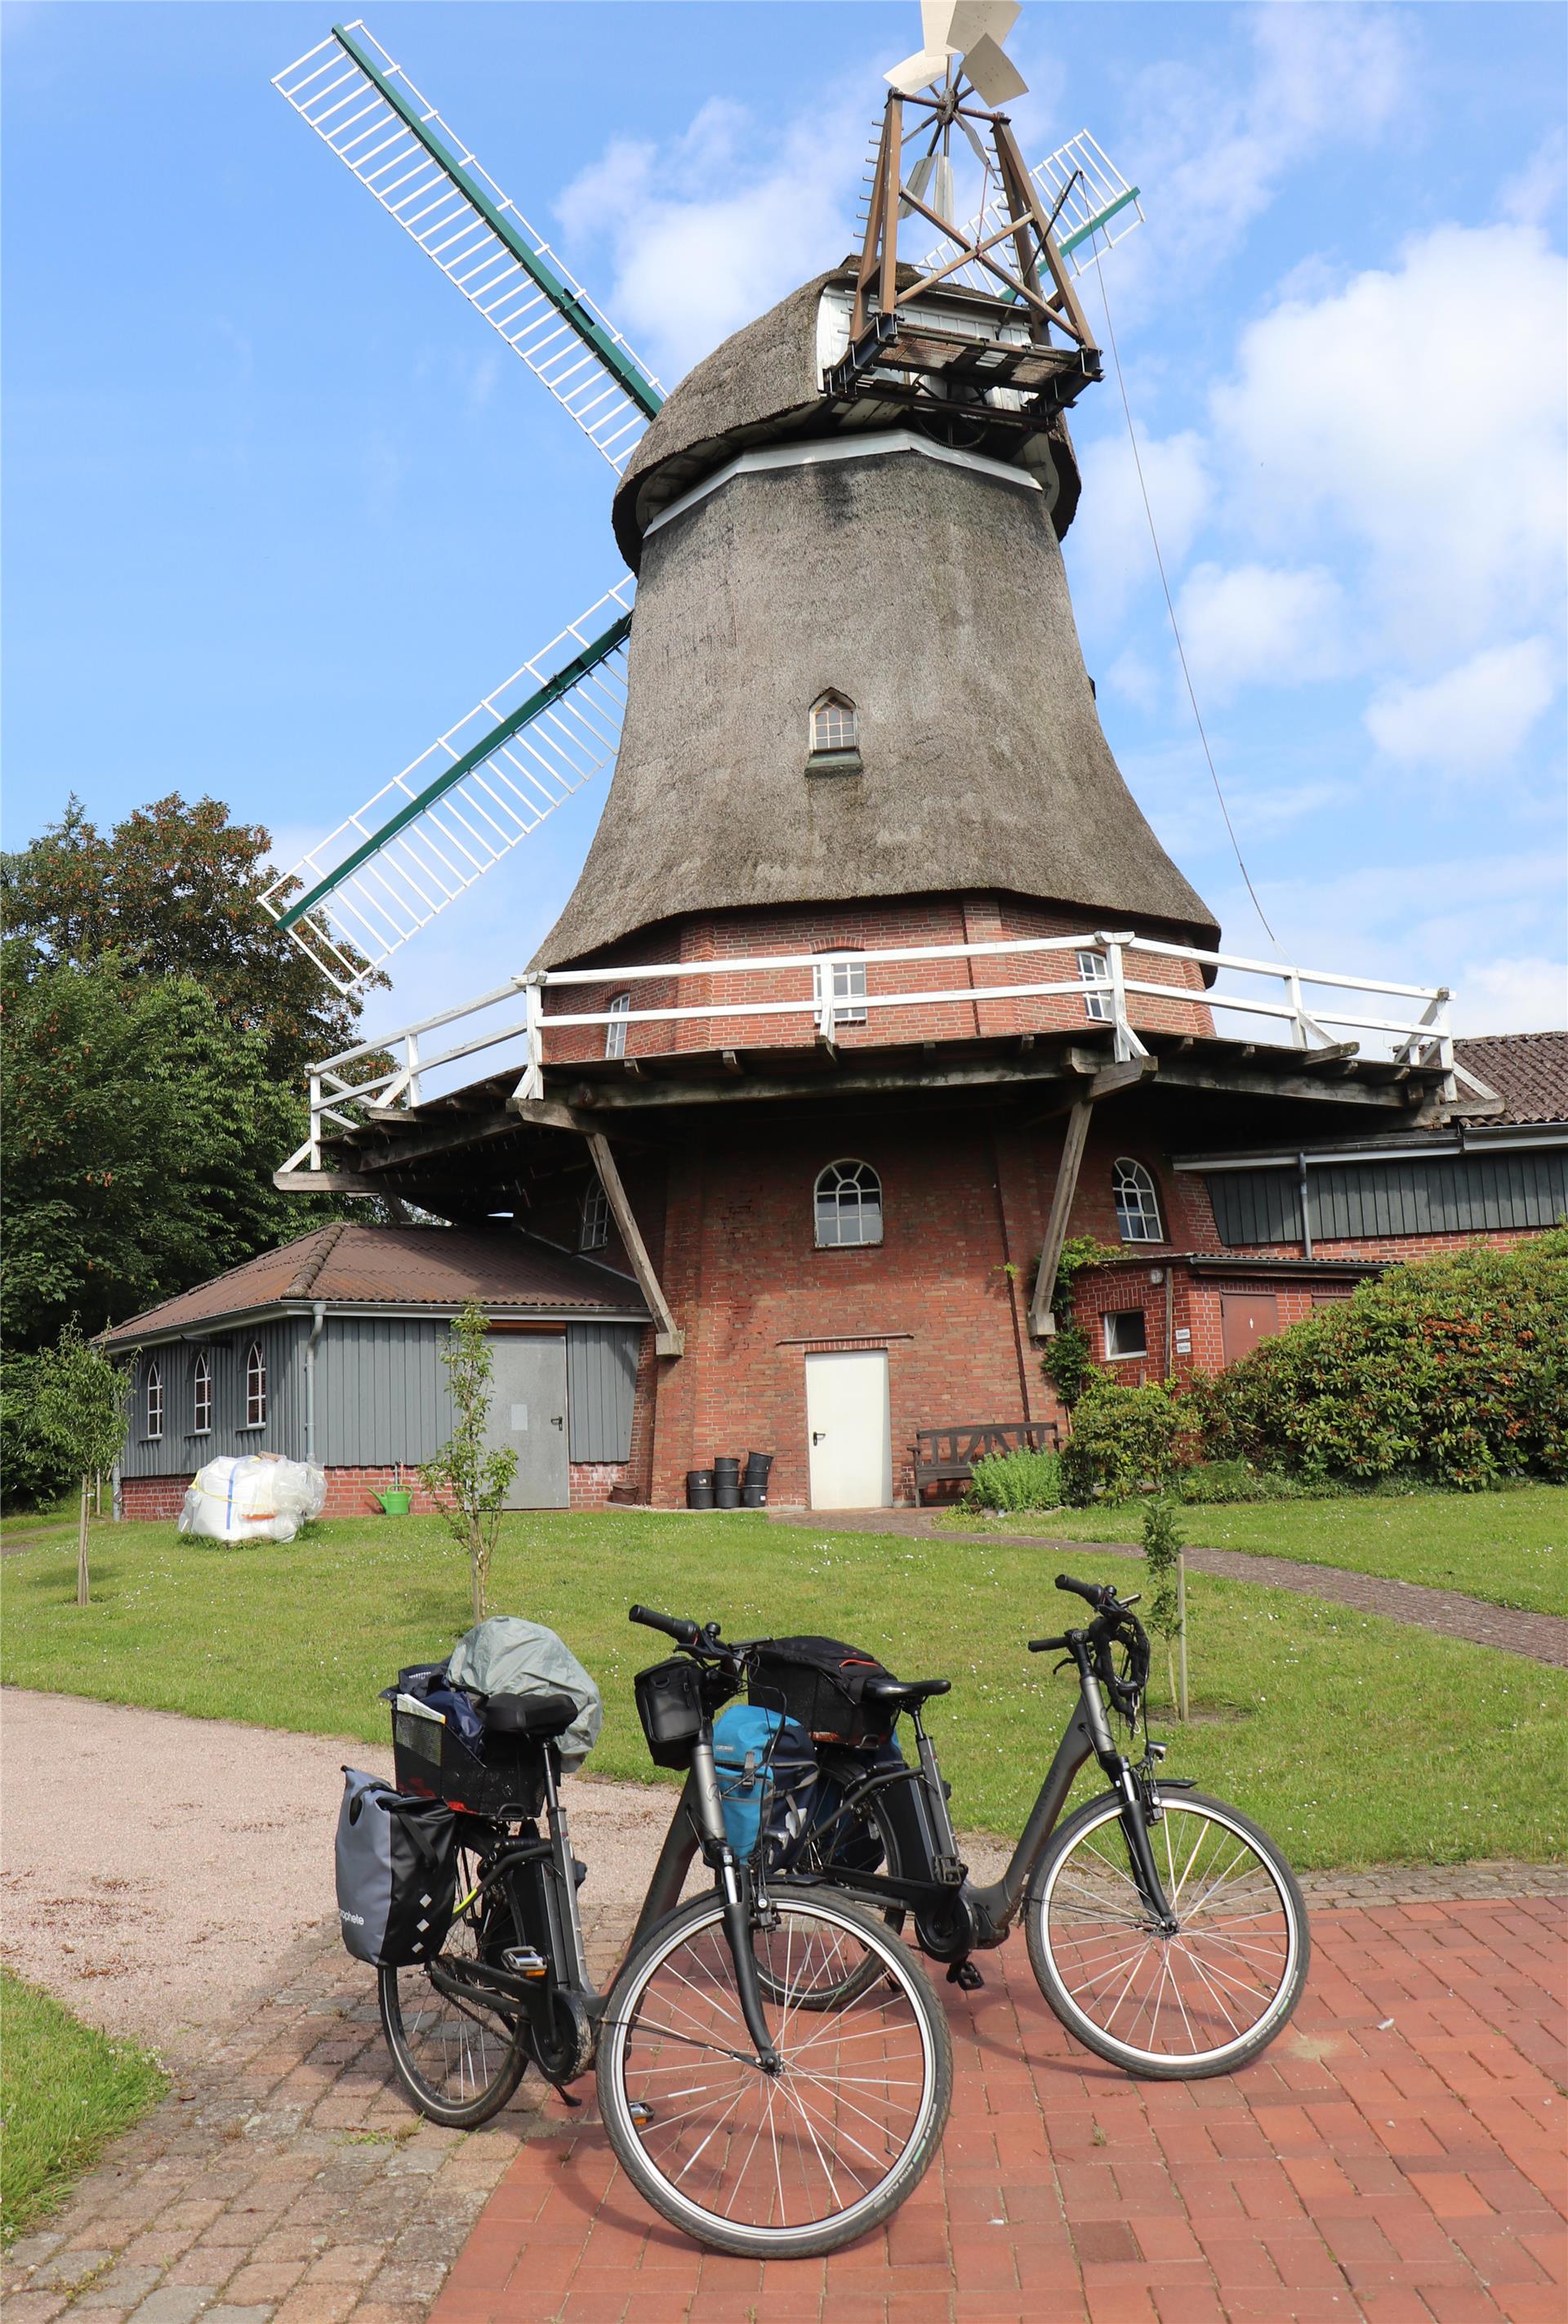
365	107
478	791
1093	204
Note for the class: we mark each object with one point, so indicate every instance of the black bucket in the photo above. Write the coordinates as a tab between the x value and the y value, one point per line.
757	1467
726	1472
699	1489
753	1497
727	1493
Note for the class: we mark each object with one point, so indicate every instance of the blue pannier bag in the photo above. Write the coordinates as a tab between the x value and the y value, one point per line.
767	1772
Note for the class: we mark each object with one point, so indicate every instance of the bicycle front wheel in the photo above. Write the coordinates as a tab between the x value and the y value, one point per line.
781	2166
1171	2008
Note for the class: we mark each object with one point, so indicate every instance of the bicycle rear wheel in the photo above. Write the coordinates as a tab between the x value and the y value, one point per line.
774	2166
459	2061
1170	2008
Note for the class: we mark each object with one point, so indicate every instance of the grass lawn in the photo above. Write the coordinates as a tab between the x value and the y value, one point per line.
66	2090
1355	1739
1511	1548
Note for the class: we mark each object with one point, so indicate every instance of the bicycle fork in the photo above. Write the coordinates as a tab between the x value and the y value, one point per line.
1120	1772
737	1902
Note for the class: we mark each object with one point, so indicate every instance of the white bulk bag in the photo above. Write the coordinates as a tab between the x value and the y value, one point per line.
260	1497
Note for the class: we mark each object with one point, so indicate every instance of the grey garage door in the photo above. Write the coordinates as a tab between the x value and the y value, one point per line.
528	1412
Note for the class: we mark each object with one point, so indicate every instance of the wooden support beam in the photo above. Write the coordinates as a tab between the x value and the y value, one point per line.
1104	1084
325	1182
1042	1323
669	1340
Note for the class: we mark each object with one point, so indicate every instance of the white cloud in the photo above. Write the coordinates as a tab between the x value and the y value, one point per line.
1418	411
1528	995
693	264
1473	718
1258	624
1109	548
1534	195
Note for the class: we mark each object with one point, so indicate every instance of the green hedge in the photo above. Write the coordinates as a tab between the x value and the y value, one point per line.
1454	1370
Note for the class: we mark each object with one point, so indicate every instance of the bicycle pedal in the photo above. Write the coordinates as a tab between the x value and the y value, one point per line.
523	1962
641	2112
966	1977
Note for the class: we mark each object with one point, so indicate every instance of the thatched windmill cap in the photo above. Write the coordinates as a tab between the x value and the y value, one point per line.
763	385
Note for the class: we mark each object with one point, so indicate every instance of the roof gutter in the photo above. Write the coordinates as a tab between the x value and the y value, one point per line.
1464	1139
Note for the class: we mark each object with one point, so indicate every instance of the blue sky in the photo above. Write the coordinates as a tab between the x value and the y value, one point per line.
278	508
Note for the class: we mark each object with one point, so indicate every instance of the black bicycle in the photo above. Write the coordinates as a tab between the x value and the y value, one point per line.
744	2110
1164	1929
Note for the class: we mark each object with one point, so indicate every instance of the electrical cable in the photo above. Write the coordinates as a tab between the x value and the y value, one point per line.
1170	609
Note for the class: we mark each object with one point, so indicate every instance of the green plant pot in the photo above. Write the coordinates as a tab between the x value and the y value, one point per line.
396	1505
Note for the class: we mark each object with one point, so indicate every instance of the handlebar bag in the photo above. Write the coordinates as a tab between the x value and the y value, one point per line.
821	1682
767	1772
397	1872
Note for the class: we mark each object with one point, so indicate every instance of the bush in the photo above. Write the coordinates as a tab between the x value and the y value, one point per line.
1453	1370
1016	1480
1122	1437
36	1469
1218	1481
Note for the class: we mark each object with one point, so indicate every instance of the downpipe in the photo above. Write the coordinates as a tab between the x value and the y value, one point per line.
318	1324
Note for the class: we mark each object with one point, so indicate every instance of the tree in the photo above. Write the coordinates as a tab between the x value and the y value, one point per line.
1167	1578
80	1409
140	1132
174	890
467	1480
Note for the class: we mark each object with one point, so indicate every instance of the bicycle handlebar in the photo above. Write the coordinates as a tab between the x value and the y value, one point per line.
684	1633
1098	1594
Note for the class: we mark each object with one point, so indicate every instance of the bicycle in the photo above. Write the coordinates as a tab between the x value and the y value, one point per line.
1164	1929
756	2126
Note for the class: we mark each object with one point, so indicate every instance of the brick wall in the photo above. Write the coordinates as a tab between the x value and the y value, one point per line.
352	1492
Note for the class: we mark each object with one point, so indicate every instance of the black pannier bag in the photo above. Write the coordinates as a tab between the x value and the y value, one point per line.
397	1873
821	1682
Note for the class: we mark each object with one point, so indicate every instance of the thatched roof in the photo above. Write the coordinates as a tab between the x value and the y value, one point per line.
935	597
763	384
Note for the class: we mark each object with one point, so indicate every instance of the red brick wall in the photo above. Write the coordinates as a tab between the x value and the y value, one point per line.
893	923
352	1492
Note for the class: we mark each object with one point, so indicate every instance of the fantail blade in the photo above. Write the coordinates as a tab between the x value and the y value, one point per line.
993	72
917	72
959	23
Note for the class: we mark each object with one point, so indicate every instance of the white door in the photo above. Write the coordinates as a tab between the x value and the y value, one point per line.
851	1435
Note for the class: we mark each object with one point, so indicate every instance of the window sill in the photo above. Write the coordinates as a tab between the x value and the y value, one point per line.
250	1428
834	762
1129	1356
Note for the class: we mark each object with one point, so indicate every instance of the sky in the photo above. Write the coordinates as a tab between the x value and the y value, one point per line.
278	508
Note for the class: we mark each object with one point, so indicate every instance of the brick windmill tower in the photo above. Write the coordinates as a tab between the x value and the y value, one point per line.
876	982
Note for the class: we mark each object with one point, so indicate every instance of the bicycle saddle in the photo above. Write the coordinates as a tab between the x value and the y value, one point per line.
899	1695
542	1717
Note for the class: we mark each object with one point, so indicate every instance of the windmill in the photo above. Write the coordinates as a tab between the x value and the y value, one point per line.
484	786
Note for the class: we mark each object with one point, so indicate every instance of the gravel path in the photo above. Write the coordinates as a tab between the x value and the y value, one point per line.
1540	1637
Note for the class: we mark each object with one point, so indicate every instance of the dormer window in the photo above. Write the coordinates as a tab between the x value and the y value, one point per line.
833	737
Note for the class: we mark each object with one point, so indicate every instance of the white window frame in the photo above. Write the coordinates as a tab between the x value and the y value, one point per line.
1126	1355
831	1187
834	725
847	988
594	1217
1094	975
201	1395
152	1404
615	1033
255	1386
1137	1201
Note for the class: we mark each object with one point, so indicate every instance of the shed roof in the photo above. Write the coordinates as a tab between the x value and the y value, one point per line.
1528	1071
352	1265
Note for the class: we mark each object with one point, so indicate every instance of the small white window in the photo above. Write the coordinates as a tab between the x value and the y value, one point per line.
849	1205
1137	1203
201	1396
1095	973
835	725
840	992
593	1218
256	1386
615	1033
1126	1333
154	1402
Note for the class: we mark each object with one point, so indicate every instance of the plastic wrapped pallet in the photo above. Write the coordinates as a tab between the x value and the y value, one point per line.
260	1497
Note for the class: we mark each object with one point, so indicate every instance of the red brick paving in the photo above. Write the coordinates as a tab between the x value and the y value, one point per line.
1396	2156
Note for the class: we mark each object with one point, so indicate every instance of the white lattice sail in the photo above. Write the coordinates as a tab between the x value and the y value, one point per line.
474	795
364	106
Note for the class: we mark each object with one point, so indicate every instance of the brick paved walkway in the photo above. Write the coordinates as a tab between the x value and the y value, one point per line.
1542	1638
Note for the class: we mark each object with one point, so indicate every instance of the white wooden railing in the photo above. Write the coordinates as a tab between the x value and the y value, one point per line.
1420	1037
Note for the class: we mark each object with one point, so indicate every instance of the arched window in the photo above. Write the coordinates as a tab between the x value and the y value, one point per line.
615	1032
833	737
594	1219
154	1401
256	1386
1137	1203
201	1396
848	1206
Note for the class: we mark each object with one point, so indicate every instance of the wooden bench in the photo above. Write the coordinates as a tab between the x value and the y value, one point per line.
948	1455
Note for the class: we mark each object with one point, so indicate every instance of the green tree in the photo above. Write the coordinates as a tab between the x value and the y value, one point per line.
1168	1588
79	1408
173	888
140	1133
467	1480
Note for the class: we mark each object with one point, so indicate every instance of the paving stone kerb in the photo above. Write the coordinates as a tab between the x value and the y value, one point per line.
1540	1637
